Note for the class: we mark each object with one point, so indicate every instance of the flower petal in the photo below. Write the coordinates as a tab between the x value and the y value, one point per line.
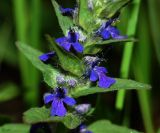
69	101
93	76
66	11
61	92
78	47
64	43
61	40
58	108
112	29
100	69
115	33
46	56
48	97
105	34
104	81
66	46
73	36
109	22
119	37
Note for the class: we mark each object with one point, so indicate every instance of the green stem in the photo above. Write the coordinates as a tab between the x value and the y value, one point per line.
21	29
145	109
35	42
142	67
155	27
29	75
127	54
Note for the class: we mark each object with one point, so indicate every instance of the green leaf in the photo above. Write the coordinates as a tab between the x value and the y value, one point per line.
67	61
110	41
94	46
72	120
85	16
158	131
32	55
49	72
112	7
7	51
15	128
49	77
64	21
105	126
86	89
8	91
36	115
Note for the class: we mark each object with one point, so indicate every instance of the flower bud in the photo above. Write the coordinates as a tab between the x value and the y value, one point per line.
72	83
82	108
60	80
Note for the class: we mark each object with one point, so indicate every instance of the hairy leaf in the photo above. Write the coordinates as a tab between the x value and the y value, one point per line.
8	91
36	115
15	128
67	61
105	126
86	89
86	19
95	45
32	55
107	9
64	21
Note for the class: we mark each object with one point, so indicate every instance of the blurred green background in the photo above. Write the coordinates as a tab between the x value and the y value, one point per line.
22	86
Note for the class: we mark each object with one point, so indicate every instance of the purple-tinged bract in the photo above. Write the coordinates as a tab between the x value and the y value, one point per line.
70	41
58	99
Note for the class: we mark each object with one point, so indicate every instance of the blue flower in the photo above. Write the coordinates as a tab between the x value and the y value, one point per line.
67	11
83	129
46	56
106	31
99	73
58	99
70	41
